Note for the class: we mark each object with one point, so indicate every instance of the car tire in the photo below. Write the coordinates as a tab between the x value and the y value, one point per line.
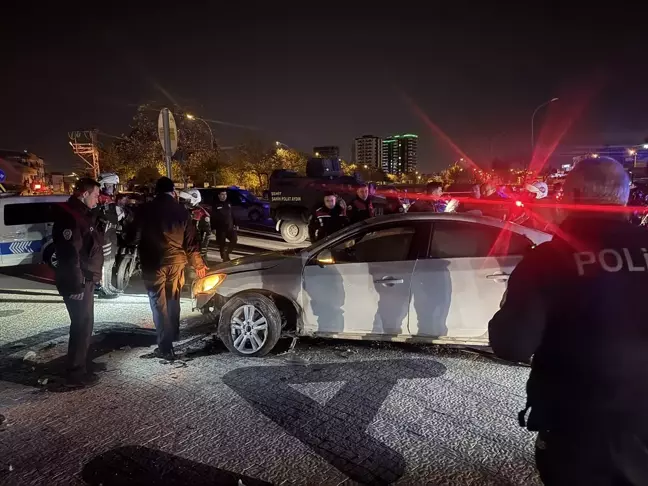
49	256
254	215
125	272
260	327
294	232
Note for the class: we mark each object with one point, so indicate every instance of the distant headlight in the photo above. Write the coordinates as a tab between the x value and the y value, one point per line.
209	283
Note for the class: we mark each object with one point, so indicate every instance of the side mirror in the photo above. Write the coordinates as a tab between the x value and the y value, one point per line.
325	258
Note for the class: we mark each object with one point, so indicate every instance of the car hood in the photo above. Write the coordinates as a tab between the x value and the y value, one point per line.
258	261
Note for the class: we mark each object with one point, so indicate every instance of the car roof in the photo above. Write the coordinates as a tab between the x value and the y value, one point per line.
34	199
534	235
464	217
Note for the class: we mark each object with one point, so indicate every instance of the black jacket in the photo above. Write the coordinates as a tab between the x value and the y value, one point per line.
427	205
78	245
326	221
359	210
394	205
222	217
166	234
576	305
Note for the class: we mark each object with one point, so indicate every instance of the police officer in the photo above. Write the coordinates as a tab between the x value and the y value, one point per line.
167	239
328	218
394	203
200	217
432	202
361	206
224	225
78	244
573	309
108	221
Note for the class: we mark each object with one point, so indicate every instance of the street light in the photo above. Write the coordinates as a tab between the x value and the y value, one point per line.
533	117
189	116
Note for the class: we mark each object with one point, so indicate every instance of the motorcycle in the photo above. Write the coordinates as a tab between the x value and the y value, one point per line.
127	264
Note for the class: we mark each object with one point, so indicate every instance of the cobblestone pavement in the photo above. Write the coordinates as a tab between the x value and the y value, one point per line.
328	413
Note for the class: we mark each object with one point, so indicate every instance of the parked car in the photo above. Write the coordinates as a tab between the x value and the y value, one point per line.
26	228
245	205
427	277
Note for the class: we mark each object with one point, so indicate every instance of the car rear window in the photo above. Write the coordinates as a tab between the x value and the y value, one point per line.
30	213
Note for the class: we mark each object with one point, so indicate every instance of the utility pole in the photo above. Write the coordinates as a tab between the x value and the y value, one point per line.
85	145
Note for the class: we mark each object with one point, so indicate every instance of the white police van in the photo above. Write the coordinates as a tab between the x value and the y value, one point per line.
26	228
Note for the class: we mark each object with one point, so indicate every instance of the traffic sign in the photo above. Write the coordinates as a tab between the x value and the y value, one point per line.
173	132
2	176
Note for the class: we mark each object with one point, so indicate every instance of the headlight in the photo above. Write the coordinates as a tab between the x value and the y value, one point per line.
208	283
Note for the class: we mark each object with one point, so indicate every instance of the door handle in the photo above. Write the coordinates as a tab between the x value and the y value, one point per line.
498	276
389	281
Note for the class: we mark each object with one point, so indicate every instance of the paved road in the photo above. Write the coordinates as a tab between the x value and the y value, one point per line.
327	413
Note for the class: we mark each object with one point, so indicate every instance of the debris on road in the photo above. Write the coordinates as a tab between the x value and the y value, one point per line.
29	356
43	381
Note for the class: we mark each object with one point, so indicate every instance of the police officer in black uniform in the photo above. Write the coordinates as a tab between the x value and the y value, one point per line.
361	207
328	218
431	202
78	244
573	308
223	223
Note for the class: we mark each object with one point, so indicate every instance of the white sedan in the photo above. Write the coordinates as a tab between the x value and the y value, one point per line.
419	277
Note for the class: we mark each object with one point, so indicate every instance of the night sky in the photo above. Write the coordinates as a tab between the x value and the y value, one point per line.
324	75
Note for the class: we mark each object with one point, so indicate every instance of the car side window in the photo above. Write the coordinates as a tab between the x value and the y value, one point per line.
454	239
383	245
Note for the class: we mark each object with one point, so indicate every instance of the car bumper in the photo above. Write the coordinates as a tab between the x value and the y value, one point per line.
200	301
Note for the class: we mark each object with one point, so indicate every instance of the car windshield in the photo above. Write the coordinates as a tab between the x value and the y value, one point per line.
249	196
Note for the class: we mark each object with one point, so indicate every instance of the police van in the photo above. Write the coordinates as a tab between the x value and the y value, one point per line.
26	228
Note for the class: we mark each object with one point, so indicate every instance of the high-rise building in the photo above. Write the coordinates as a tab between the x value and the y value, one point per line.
367	150
399	153
328	152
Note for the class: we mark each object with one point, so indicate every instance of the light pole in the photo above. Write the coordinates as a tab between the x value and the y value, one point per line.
533	117
211	134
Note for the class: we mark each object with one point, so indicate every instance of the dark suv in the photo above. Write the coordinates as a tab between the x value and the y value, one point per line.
245	205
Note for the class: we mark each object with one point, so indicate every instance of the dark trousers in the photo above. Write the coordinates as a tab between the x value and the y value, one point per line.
163	287
81	324
221	236
592	458
204	244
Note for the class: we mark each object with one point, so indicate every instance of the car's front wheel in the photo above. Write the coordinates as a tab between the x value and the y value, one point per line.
250	324
254	215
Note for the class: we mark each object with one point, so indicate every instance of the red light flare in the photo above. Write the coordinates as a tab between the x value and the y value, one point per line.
561	115
440	133
501	244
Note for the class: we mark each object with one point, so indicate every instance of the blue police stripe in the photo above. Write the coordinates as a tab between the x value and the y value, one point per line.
20	247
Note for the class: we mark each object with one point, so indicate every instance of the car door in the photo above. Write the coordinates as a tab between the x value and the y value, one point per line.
239	205
27	226
364	287
457	289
